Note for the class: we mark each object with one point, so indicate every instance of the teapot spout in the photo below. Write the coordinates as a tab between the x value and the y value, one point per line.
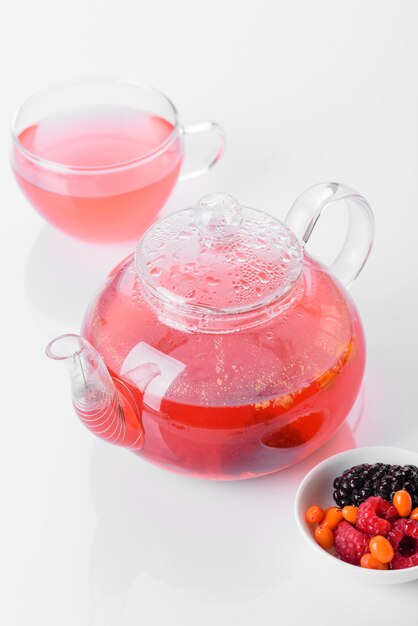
103	403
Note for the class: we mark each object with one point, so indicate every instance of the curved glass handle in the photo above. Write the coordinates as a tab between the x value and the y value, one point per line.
307	209
213	138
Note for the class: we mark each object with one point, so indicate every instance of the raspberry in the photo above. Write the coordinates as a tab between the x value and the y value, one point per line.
375	516
350	543
404	540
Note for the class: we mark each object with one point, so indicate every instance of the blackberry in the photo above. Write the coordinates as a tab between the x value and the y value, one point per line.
358	483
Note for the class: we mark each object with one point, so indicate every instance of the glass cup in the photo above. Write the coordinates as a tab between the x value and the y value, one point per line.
98	159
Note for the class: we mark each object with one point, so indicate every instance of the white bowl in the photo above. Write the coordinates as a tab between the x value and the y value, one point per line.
316	488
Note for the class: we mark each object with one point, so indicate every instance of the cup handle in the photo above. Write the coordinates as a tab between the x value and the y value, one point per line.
215	139
307	209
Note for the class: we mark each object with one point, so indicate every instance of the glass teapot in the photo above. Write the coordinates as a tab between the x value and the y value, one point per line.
220	348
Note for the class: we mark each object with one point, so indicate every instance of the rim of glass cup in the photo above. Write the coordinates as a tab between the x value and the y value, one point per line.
92	169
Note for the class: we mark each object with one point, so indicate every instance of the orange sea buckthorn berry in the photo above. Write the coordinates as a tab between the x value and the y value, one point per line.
414	514
333	516
324	536
402	502
314	514
370	562
350	514
381	549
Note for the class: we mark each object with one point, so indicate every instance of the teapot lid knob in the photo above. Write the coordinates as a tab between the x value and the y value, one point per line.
218	216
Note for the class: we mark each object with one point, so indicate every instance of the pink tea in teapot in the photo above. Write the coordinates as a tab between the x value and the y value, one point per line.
235	405
81	170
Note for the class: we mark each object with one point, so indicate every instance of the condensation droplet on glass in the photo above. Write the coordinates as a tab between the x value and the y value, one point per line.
263	278
211	280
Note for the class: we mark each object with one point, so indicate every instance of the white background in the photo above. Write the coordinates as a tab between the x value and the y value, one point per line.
306	91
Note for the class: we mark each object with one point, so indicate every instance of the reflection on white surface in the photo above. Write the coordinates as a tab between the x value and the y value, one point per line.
62	274
215	541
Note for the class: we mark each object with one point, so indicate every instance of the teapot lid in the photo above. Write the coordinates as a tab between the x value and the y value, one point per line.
218	258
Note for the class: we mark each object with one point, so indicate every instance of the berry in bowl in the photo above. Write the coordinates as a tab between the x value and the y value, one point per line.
359	510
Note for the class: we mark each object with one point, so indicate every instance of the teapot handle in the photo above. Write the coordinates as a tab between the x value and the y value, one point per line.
307	209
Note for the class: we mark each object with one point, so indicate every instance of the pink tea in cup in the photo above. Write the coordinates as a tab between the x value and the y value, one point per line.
116	170
99	159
